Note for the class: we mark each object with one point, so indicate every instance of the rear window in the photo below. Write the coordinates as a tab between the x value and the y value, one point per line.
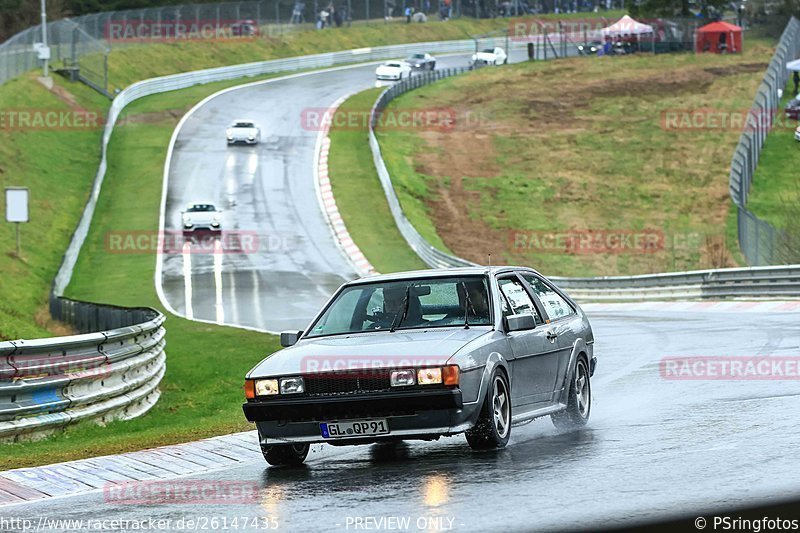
244	125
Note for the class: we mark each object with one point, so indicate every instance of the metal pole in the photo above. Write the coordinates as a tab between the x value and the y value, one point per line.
19	248
44	43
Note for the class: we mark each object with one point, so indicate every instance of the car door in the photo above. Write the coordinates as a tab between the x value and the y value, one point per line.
535	362
563	320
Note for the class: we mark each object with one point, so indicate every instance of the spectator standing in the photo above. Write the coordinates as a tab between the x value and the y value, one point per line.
408	14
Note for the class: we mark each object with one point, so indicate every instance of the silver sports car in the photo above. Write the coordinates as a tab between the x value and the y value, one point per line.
420	355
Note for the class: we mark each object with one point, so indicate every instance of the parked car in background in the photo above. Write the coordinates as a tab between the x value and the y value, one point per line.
490	56
393	71
244	132
244	28
590	48
426	354
201	216
421	61
792	109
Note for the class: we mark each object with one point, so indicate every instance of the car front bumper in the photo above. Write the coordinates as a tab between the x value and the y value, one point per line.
409	415
388	77
242	141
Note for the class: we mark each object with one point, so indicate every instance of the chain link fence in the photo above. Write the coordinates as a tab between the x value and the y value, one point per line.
760	242
82	44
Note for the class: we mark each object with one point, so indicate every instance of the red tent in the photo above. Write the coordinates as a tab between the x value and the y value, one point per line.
719	37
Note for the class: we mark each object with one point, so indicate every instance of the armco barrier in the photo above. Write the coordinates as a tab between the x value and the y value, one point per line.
756	282
46	384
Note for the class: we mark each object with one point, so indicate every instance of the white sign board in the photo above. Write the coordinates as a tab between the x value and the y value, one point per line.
16	205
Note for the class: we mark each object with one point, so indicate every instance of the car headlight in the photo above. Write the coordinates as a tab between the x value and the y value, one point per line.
429	376
266	387
402	378
295	385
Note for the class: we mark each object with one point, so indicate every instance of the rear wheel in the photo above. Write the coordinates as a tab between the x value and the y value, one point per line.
494	423
579	404
285	454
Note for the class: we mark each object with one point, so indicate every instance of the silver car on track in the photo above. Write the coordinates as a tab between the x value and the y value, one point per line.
420	355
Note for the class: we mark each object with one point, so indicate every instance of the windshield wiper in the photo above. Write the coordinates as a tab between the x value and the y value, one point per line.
403	312
467	305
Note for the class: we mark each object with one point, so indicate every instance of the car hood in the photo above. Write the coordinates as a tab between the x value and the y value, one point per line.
243	133
201	216
401	349
387	68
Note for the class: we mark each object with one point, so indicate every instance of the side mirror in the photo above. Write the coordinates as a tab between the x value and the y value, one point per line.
290	338
520	322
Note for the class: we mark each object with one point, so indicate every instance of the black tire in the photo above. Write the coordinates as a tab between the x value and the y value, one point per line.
285	454
579	404
489	433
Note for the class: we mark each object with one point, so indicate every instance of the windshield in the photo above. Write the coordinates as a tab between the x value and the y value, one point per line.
406	304
244	125
201	208
417	56
392	64
488	51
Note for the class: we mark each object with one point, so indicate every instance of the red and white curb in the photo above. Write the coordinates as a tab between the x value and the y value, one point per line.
328	202
725	306
97	474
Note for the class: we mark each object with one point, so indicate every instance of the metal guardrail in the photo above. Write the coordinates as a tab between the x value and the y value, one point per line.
46	384
760	242
755	282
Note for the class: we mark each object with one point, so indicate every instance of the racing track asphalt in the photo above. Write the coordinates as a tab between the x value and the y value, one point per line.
653	448
267	190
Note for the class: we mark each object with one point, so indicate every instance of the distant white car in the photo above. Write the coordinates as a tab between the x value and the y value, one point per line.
490	56
243	131
421	61
393	70
201	216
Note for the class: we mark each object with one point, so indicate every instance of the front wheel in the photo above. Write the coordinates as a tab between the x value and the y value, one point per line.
494	422
285	454
579	404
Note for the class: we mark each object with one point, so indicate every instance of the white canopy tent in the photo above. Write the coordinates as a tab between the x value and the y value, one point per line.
793	65
627	25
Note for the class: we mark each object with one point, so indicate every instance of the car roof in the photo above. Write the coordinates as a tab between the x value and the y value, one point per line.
439	272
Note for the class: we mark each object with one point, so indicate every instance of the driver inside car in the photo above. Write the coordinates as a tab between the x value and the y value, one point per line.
393	299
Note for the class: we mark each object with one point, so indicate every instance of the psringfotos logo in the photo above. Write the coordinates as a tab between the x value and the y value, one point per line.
177	242
715	368
187	491
29	119
589	241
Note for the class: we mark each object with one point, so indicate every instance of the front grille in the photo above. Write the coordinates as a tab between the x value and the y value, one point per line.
342	383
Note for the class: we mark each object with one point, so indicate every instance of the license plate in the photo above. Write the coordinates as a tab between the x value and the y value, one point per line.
355	428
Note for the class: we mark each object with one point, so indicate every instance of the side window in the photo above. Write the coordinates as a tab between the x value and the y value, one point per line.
518	299
555	306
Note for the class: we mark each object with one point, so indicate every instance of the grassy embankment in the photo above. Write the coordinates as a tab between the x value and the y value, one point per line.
578	145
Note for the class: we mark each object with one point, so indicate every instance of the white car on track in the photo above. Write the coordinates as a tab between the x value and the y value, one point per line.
243	131
201	216
393	71
490	56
